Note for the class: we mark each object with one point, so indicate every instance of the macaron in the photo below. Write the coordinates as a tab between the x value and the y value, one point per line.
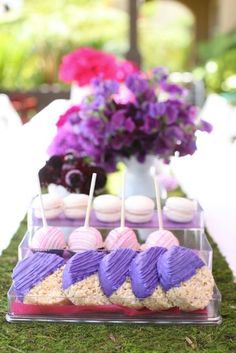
139	209
107	208
52	205
75	205
180	209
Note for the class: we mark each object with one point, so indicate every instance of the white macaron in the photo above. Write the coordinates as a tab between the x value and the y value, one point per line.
75	206
52	206
107	208
180	209
139	209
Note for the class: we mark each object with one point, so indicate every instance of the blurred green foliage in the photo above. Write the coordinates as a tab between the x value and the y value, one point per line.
218	57
33	41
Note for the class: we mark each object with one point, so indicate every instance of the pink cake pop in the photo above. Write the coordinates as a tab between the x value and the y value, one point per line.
122	237
86	238
161	237
47	238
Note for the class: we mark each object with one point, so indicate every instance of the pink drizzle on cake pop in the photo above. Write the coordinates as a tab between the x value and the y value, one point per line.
48	238
84	238
121	238
163	238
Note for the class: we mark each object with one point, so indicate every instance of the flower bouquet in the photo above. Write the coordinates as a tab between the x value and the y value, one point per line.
145	115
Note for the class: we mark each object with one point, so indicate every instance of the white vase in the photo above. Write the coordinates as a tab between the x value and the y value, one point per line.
57	190
77	93
139	176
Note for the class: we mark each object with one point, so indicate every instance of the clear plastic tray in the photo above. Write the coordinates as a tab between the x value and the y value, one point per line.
193	239
62	221
17	312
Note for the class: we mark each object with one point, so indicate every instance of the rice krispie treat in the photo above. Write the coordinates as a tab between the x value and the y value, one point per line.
187	280
80	279
145	279
114	278
38	279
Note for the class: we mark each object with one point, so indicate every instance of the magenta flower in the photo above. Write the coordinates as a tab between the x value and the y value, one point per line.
84	64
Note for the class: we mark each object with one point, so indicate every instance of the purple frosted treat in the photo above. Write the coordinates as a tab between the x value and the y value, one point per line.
80	279
115	280
38	279
188	282
145	279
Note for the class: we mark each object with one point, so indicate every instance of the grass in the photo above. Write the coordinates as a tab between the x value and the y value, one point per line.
86	338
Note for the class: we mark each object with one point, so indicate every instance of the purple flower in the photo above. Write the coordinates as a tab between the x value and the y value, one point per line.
160	74
105	88
173	89
105	129
129	125
117	120
137	84
171	113
156	109
205	126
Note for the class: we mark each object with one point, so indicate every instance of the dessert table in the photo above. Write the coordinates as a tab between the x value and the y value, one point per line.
208	175
67	338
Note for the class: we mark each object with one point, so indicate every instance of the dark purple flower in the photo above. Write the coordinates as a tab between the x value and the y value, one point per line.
74	178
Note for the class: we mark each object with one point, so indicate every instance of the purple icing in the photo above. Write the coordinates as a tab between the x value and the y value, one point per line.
114	269
143	272
32	270
81	266
176	265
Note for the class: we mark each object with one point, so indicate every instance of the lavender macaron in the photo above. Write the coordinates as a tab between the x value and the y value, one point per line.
188	282
145	279
114	277
38	279
80	279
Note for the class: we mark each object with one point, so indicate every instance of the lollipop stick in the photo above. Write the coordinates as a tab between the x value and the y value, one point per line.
91	192
122	215
158	201
41	204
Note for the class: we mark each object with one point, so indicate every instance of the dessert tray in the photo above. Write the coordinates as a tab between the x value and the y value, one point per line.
38	266
19	312
193	239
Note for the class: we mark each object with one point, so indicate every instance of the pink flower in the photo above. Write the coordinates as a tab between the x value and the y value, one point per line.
74	110
124	69
84	64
